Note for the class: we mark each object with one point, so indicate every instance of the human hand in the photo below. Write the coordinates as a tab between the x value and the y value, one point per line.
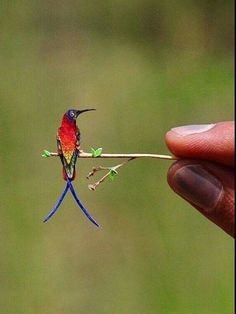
204	173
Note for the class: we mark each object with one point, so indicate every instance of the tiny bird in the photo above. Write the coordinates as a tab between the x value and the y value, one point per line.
68	147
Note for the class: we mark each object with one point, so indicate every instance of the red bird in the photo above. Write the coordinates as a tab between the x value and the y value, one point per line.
68	146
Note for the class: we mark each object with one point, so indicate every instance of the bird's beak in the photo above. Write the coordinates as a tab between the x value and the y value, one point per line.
78	112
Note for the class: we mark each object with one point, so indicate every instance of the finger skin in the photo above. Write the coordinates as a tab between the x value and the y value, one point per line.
216	144
223	213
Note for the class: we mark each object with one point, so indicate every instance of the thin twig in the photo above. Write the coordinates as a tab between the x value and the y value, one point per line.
136	155
112	171
96	169
92	187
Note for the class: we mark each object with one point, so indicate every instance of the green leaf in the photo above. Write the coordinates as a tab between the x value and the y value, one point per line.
112	174
96	152
46	153
93	152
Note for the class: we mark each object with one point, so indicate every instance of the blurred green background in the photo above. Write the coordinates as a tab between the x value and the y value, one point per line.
146	66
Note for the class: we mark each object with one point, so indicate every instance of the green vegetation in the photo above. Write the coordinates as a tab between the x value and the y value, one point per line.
146	66
96	152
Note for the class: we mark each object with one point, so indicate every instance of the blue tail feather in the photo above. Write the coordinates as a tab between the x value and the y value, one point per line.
85	211
57	204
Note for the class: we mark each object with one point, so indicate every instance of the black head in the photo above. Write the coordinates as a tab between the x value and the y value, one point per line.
74	113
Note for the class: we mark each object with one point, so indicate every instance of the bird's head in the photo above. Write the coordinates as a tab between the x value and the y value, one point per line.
72	114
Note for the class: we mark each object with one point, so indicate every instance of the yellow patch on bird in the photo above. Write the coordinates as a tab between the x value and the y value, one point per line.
68	155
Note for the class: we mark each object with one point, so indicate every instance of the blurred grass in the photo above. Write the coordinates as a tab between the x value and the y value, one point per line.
146	67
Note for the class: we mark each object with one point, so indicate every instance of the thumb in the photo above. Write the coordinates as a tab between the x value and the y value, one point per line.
214	142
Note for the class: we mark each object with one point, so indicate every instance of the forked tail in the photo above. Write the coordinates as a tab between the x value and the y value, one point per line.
85	211
55	208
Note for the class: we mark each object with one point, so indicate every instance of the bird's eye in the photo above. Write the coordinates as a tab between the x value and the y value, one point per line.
72	114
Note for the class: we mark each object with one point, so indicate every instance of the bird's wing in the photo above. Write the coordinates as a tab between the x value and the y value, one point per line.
59	149
68	159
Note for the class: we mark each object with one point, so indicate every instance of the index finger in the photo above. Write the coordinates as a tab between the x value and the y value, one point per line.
214	142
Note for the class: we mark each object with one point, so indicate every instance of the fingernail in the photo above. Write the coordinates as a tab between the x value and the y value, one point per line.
198	186
192	129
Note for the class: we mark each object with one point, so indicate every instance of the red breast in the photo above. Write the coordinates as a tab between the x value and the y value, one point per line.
67	135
